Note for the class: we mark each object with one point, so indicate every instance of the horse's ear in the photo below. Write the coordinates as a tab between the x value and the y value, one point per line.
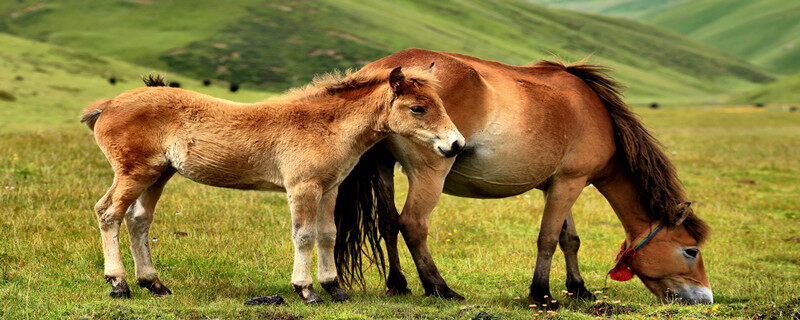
397	79
683	211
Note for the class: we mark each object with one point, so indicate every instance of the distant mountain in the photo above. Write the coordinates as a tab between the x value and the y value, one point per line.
278	44
764	32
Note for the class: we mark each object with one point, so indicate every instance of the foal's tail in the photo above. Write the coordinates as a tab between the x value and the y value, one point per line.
362	202
660	191
92	112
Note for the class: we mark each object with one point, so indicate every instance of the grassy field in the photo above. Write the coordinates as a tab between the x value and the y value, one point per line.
785	90
216	248
277	44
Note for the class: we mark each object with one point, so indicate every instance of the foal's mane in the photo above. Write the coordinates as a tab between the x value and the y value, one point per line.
332	83
660	190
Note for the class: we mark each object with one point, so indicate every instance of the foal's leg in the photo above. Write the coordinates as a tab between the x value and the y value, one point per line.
304	202
138	220
570	243
326	239
559	197
110	211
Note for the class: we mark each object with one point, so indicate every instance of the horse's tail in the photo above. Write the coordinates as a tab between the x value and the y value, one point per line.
92	112
363	201
660	191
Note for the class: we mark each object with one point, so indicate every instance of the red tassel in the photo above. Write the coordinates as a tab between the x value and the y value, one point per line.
621	271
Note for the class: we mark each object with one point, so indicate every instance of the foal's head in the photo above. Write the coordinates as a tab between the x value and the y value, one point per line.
671	264
415	111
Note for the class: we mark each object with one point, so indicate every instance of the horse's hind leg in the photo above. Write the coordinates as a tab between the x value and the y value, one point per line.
570	242
138	220
396	283
110	211
559	198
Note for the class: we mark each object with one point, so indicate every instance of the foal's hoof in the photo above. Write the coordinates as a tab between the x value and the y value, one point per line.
308	294
119	288
545	302
336	292
275	300
579	292
155	287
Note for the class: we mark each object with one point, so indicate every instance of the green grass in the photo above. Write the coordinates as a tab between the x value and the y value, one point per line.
282	44
238	243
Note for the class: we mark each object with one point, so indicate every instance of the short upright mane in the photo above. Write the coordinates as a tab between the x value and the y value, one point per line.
331	83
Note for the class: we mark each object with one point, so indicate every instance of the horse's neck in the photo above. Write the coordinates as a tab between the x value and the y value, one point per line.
621	192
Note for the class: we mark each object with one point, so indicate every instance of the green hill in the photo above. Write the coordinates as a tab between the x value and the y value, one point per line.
765	32
44	87
786	90
282	44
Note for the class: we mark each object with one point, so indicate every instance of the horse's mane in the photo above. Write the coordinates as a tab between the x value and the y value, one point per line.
660	191
331	83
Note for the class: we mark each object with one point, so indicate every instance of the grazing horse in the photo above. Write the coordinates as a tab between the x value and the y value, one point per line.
304	144
548	126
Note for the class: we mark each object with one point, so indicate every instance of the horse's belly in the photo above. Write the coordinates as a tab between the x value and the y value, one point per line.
223	167
497	165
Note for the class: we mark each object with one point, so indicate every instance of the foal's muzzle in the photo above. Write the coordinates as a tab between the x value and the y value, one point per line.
451	145
693	295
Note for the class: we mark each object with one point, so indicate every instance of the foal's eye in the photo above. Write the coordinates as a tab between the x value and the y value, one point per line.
691	252
418	109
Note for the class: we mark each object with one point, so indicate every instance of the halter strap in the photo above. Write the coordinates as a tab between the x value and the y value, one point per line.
622	270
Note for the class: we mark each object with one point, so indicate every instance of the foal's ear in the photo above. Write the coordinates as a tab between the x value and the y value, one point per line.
397	79
432	68
683	211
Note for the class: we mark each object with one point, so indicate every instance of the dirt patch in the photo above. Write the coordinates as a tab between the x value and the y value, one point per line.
603	309
28	9
346	35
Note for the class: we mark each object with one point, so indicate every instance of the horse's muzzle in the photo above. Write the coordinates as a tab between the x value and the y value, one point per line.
695	295
455	148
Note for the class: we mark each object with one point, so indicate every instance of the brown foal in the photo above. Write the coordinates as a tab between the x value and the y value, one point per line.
304	144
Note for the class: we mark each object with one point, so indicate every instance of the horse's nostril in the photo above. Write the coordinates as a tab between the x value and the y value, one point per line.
456	147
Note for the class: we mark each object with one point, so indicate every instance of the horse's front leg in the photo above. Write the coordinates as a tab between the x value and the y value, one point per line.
304	203
559	198
326	239
426	173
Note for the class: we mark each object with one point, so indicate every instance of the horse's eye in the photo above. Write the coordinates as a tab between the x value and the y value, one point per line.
691	252
418	109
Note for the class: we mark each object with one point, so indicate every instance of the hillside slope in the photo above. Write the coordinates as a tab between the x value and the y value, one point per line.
283	43
766	32
45	87
786	90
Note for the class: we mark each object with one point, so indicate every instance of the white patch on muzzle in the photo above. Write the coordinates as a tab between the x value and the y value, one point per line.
444	143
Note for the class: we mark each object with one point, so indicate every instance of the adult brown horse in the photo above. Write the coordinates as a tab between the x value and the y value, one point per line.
551	127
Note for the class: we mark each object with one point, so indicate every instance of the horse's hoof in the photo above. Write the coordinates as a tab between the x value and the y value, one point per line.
155	287
275	300
119	288
308	294
337	293
446	294
398	291
545	302
579	292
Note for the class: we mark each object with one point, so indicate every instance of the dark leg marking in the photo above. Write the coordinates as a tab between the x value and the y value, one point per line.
308	294
336	292
156	287
119	288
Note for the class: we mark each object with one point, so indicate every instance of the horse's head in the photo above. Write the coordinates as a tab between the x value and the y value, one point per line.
416	112
671	264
